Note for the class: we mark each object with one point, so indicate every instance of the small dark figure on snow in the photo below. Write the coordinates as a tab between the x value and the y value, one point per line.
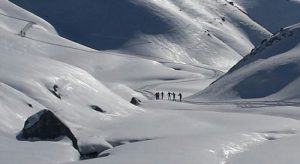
162	95
55	87
223	19
22	33
169	95
180	97
174	96
157	95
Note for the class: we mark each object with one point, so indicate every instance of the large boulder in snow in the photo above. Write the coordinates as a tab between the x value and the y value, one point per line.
135	101
45	125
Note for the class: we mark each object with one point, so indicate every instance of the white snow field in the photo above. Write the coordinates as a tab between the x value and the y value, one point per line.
143	47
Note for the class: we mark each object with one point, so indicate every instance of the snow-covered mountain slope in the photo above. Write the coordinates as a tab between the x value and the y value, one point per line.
271	71
212	33
15	108
43	70
272	15
27	67
109	67
32	83
31	79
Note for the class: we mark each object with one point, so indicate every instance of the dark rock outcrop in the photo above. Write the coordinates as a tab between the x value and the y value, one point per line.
135	101
97	108
89	156
55	92
92	150
30	105
44	125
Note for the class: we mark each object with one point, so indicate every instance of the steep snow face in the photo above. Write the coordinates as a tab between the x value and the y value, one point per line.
213	33
272	15
32	79
271	71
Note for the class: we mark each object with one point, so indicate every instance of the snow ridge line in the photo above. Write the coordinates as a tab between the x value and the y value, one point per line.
20	19
26	28
92	51
30	23
110	53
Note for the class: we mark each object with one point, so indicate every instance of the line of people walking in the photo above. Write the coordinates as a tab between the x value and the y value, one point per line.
171	96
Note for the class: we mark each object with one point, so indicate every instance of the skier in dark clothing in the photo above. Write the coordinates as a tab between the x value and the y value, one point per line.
180	97
22	33
169	95
162	95
174	96
157	95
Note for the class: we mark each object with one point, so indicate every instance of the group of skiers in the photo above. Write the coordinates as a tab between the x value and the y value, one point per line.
171	96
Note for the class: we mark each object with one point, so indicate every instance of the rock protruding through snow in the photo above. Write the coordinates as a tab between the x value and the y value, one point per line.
135	101
45	125
97	108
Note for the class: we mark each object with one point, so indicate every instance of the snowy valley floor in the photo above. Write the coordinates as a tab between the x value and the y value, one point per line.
223	132
167	132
